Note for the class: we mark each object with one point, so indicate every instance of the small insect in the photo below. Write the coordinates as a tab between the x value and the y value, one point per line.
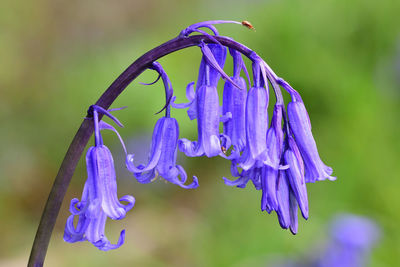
248	25
223	149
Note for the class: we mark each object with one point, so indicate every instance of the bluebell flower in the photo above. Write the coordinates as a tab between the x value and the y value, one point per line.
204	106
256	122
163	152
269	179
299	122
162	158
99	198
234	107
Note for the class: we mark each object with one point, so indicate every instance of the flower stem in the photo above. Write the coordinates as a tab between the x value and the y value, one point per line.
85	131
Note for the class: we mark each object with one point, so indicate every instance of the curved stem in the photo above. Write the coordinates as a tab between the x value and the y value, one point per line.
85	131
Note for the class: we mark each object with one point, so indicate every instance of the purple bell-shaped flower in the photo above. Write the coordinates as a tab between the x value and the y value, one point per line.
163	152
99	198
162	159
205	104
299	122
256	122
269	179
234	107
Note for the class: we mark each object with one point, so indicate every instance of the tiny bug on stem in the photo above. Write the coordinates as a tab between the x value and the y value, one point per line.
248	25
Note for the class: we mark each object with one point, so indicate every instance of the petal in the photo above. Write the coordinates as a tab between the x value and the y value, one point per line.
190	94
283	200
256	121
192	111
95	230
169	141
275	137
130	200
246	160
191	149
269	180
145	177
212	146
234	103
106	245
173	177
95	234
240	182
155	151
295	175
208	120
293	213
78	207
106	183
75	234
255	176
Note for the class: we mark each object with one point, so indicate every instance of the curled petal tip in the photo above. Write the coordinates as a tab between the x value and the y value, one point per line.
193	185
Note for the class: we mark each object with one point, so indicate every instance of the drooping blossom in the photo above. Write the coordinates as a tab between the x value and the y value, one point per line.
162	158
256	124
163	152
234	107
99	199
278	160
204	106
255	151
270	175
300	125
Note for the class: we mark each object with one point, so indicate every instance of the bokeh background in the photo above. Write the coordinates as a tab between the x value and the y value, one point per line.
57	57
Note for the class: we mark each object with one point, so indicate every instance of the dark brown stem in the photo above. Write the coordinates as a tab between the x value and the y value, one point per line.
78	144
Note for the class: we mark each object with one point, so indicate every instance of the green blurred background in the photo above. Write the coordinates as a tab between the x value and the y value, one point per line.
57	57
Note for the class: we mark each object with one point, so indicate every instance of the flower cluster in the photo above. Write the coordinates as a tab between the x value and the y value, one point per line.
279	157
